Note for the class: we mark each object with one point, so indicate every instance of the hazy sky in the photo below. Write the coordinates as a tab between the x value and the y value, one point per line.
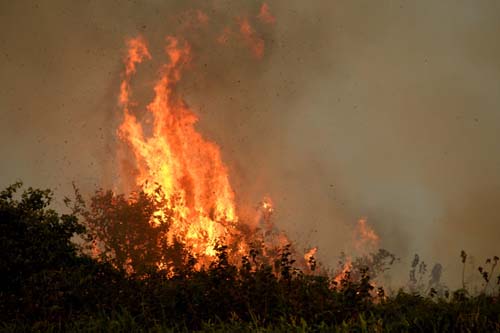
384	109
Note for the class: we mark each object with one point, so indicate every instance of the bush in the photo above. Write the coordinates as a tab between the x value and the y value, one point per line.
51	283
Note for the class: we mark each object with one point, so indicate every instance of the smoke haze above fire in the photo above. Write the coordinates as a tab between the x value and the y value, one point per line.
385	110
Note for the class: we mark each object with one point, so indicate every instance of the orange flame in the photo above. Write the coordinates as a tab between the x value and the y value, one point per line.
175	156
255	43
224	36
202	17
311	253
343	273
267	205
137	52
265	14
365	238
309	256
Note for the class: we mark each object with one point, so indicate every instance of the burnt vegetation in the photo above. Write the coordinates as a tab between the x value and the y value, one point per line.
96	269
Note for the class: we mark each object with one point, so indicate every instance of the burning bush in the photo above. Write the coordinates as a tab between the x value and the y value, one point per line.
51	284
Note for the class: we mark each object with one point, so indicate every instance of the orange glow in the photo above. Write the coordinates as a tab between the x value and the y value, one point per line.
175	156
137	52
223	38
166	150
309	255
267	205
265	14
255	43
365	238
202	17
94	250
343	273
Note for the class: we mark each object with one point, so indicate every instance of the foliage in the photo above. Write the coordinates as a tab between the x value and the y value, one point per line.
53	284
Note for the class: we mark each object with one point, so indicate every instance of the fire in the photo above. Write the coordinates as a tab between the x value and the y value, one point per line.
173	155
343	273
202	17
255	43
311	253
265	14
224	36
173	162
267	207
365	238
137	52
309	258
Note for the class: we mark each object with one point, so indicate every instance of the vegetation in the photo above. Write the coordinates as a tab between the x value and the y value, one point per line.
94	270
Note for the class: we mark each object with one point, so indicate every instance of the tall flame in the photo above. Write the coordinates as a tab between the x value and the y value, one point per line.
168	152
175	156
365	241
365	238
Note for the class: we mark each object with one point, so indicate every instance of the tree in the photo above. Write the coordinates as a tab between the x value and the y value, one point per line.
131	232
33	237
34	241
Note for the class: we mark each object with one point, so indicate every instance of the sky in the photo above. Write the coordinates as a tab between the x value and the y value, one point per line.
388	110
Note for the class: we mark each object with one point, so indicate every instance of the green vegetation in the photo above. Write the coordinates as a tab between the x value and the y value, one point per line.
50	282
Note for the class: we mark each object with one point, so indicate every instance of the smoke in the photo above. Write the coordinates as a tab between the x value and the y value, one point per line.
382	110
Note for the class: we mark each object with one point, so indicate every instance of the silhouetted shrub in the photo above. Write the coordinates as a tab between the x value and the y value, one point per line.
52	283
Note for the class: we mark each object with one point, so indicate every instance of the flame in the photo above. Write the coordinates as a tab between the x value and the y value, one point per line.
265	14
173	155
309	257
265	213
223	38
343	273
137	52
255	43
311	253
202	17
267	205
168	152
94	249
365	238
